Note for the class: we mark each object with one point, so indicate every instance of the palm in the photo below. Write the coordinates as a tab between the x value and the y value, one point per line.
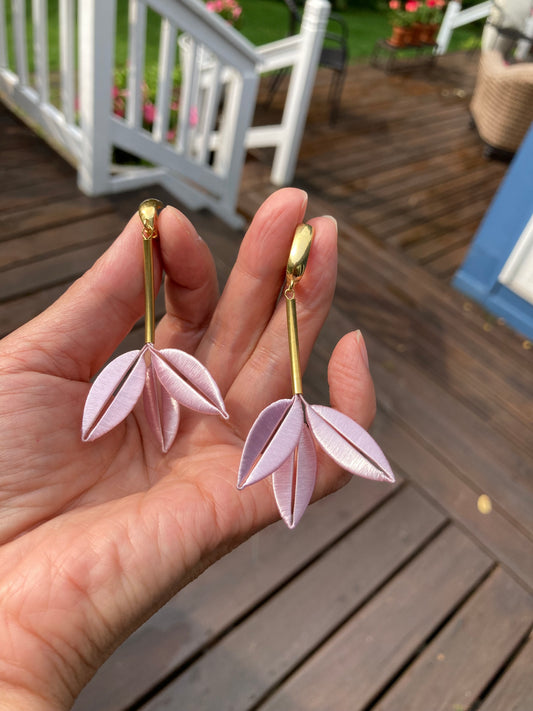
107	531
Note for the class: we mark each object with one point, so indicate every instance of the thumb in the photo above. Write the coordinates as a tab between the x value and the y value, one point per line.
76	335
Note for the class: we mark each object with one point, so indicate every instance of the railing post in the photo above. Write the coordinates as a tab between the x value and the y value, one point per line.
96	62
447	25
303	75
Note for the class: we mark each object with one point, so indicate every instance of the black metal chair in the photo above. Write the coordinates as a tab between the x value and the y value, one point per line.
334	54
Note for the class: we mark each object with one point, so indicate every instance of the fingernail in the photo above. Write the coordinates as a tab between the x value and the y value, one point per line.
330	217
362	347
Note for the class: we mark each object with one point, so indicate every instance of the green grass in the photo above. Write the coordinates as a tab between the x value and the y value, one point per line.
267	20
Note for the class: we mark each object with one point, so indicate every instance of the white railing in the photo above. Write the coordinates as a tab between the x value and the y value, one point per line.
455	17
198	158
302	53
30	93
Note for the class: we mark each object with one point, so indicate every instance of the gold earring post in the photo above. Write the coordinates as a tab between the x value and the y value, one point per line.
148	212
296	265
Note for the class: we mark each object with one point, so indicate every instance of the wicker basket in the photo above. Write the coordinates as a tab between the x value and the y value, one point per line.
502	105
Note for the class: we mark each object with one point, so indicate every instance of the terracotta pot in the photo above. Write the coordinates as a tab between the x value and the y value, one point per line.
398	37
428	33
416	33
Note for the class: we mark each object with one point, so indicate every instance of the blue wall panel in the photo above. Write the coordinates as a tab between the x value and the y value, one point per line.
503	224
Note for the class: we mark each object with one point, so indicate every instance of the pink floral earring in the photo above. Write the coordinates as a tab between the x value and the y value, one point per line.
167	378
283	439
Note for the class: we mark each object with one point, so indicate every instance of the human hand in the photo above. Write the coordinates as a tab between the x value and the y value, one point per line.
96	536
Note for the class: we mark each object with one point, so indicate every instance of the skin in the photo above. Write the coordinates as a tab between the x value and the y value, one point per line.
95	537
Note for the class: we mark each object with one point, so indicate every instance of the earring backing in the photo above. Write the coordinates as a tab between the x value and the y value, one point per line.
167	378
282	441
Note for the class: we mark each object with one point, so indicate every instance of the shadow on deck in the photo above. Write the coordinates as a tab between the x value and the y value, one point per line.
386	598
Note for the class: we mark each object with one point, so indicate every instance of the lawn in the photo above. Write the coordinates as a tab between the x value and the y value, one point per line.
267	20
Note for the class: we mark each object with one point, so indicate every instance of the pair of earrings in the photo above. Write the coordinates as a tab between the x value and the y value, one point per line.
282	441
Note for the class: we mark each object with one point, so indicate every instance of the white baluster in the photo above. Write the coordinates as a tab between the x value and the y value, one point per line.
97	55
19	37
40	48
67	36
312	31
136	50
3	40
167	58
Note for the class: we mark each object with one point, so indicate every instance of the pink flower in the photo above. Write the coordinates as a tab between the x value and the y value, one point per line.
411	6
171	136
167	378
193	116
431	3
119	107
282	441
394	4
149	112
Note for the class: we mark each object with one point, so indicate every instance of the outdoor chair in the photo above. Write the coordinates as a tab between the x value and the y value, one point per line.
506	27
334	55
502	104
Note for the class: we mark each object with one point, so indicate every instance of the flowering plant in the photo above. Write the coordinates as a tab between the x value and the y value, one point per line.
120	96
403	15
229	10
431	11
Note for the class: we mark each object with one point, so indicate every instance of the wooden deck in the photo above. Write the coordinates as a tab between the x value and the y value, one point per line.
402	598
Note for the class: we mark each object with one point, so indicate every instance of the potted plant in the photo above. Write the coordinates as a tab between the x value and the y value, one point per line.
402	18
430	14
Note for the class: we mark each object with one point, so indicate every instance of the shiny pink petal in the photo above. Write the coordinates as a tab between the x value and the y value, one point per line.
162	411
271	440
348	443
113	394
187	381
294	481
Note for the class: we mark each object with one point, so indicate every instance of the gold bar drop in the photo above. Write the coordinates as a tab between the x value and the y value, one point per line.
149	296
294	350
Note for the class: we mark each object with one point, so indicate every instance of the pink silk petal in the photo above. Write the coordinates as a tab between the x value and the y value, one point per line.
271	440
294	481
162	411
188	381
348	443
106	406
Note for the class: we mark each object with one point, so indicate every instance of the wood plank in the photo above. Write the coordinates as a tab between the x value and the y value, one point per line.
27	194
422	339
514	690
410	457
223	594
50	271
382	301
499	535
459	663
264	649
51	214
448	428
357	662
46	243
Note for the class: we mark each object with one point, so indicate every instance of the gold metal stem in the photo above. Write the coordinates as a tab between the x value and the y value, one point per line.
149	296
148	212
296	265
294	350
